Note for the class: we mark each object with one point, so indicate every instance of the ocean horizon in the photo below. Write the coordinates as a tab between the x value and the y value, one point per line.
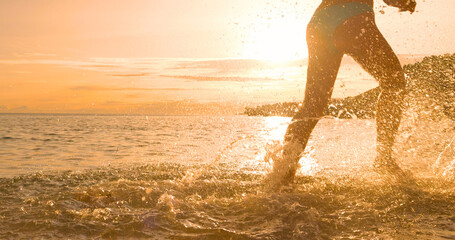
187	87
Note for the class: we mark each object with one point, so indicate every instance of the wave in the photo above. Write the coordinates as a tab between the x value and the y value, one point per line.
230	79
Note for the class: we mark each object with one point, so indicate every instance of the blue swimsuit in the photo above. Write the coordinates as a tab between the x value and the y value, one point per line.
326	20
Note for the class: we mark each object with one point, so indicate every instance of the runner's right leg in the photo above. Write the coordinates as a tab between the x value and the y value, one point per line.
322	71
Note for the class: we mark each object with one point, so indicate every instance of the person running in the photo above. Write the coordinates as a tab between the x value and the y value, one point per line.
341	27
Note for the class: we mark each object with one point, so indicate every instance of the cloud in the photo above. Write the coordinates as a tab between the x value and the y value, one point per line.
18	109
100	66
229	79
133	96
116	67
237	64
174	68
36	54
88	88
112	103
101	88
68	63
130	75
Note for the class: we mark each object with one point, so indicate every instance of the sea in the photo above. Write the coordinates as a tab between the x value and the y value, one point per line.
73	176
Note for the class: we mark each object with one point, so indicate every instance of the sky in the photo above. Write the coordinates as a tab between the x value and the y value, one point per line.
180	56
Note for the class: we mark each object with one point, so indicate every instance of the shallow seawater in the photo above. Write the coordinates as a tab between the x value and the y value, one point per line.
42	142
226	202
209	184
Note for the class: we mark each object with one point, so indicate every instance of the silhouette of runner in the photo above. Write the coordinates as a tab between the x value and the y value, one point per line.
341	27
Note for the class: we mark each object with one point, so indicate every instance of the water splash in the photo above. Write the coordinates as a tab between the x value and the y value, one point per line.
223	203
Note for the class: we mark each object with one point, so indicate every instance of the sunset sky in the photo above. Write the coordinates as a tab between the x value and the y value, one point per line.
170	56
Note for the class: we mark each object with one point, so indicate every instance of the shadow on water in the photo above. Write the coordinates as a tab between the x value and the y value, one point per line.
151	201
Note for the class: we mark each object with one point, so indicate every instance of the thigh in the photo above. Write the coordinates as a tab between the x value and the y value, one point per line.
360	38
323	65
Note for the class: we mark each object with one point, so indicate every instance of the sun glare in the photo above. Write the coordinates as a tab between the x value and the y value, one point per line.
276	38
277	127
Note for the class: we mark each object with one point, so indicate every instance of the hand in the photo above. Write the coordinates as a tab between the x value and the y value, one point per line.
410	6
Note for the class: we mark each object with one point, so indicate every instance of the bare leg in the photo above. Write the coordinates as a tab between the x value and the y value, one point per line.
323	68
360	38
322	71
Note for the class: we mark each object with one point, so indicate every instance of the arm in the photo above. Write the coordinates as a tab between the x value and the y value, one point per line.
403	5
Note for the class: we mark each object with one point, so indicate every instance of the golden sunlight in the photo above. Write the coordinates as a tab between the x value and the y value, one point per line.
278	37
277	127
